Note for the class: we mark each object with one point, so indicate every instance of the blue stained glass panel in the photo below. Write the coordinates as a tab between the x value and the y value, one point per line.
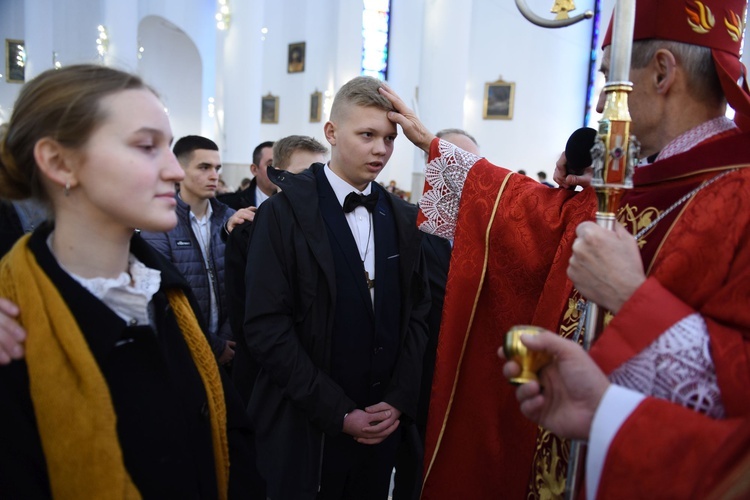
375	36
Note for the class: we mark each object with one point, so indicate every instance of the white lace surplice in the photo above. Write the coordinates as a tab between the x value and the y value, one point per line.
445	176
678	367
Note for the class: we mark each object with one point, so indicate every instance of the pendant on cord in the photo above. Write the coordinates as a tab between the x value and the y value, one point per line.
370	283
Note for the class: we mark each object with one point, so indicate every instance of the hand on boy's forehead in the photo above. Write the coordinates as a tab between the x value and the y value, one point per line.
353	115
372	120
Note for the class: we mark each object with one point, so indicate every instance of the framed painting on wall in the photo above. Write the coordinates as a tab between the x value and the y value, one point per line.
316	99
296	58
269	109
498	100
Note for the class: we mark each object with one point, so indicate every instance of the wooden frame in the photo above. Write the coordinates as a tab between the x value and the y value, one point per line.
316	103
295	62
498	100
14	72
269	109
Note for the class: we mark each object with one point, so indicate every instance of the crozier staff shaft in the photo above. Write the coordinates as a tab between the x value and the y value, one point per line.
614	156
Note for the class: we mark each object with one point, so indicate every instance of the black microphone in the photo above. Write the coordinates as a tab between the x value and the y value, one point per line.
578	150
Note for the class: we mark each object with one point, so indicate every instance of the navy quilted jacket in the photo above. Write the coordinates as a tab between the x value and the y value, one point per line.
181	247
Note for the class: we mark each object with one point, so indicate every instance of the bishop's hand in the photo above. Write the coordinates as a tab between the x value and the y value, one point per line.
571	386
414	129
605	266
568	180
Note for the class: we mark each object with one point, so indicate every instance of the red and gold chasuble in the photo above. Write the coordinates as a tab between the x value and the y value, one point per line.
513	239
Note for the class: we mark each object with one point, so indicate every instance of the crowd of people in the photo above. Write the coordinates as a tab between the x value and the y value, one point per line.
302	336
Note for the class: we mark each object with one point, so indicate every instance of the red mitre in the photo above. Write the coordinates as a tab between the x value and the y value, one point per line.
716	24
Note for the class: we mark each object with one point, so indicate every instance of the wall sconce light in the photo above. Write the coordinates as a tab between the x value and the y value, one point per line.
102	43
223	15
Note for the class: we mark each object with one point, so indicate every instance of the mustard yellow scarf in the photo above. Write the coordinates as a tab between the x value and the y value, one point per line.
72	404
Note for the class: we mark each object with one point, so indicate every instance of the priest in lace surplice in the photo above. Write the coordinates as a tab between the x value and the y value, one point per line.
679	321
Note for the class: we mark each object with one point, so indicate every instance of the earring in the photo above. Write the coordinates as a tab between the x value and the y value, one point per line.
67	188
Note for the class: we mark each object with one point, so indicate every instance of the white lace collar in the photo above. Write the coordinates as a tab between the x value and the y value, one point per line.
695	136
129	294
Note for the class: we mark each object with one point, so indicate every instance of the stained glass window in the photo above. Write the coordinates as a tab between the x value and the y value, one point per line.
376	22
592	94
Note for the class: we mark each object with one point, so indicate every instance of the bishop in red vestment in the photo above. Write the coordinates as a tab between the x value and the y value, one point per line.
688	216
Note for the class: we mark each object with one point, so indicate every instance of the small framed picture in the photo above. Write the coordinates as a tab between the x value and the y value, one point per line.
296	58
498	100
15	61
269	109
316	101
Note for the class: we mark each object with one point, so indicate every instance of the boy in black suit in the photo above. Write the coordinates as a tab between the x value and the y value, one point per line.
336	314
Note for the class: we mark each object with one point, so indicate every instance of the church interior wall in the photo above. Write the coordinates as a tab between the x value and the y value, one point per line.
190	62
173	67
550	70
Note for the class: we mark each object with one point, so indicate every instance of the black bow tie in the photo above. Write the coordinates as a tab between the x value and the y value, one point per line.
354	200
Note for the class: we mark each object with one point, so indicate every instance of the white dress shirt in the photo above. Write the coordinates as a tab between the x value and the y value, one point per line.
360	223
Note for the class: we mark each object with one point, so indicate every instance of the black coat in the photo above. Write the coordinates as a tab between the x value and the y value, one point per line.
288	326
10	227
437	255
18	218
244	368
241	199
158	397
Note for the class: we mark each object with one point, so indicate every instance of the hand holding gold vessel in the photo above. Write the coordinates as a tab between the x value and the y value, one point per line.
529	361
569	389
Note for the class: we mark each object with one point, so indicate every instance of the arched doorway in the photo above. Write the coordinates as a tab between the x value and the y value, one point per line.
171	64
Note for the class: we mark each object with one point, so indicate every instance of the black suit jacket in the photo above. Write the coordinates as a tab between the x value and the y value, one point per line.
240	199
364	340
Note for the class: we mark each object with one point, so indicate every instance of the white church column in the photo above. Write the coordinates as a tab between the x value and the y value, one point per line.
241	83
348	42
38	23
121	21
444	72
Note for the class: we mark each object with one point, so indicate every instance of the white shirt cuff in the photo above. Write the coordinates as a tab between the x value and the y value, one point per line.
615	407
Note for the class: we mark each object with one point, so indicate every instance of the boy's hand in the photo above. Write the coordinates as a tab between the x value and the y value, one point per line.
414	130
373	425
11	333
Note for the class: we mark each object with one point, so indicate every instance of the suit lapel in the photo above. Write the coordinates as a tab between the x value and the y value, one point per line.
334	217
380	219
